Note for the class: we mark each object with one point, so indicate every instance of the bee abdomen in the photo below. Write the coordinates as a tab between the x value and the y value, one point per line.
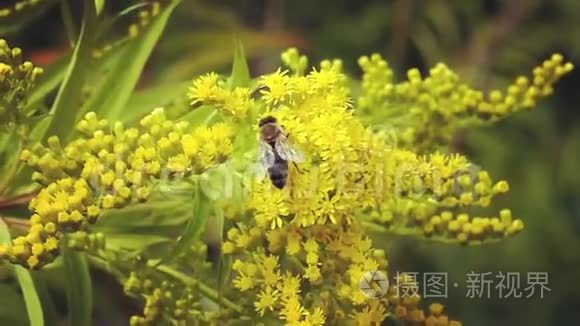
278	174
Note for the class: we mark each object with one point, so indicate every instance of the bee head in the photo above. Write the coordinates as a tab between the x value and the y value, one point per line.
266	120
268	128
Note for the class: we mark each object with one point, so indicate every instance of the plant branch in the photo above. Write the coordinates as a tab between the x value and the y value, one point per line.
16	223
205	289
17	200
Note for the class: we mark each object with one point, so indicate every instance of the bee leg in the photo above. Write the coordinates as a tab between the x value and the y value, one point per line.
297	168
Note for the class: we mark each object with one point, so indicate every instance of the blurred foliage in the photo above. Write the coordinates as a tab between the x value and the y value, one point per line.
485	42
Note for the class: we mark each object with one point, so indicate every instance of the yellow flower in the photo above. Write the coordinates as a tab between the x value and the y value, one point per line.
269	211
311	245
204	88
292	311
290	286
275	87
312	273
316	318
266	300
244	282
178	163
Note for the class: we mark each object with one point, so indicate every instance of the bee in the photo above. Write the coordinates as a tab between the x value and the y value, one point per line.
275	151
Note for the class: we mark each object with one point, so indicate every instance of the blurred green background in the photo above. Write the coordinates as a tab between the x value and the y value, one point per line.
487	42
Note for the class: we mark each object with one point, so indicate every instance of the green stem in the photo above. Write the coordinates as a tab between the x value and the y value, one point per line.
79	290
206	290
103	264
13	167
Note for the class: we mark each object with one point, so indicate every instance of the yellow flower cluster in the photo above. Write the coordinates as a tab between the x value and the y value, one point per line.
275	290
425	111
299	253
19	6
348	172
430	193
108	167
17	77
210	90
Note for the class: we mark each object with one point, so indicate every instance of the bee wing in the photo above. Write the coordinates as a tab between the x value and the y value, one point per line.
267	156
286	151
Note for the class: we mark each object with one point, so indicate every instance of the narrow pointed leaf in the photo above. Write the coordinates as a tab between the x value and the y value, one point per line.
68	99
79	292
99	5
68	22
110	99
240	76
168	95
33	306
52	76
195	226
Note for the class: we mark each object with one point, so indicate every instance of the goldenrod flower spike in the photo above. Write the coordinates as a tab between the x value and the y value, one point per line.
425	111
108	166
353	179
299	252
17	78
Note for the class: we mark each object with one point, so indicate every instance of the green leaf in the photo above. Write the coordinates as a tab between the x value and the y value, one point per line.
134	242
9	162
30	296
225	261
48	82
158	222
158	216
202	206
170	96
99	5
110	99
68	99
51	316
31	300
211	49
68	21
79	292
240	76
